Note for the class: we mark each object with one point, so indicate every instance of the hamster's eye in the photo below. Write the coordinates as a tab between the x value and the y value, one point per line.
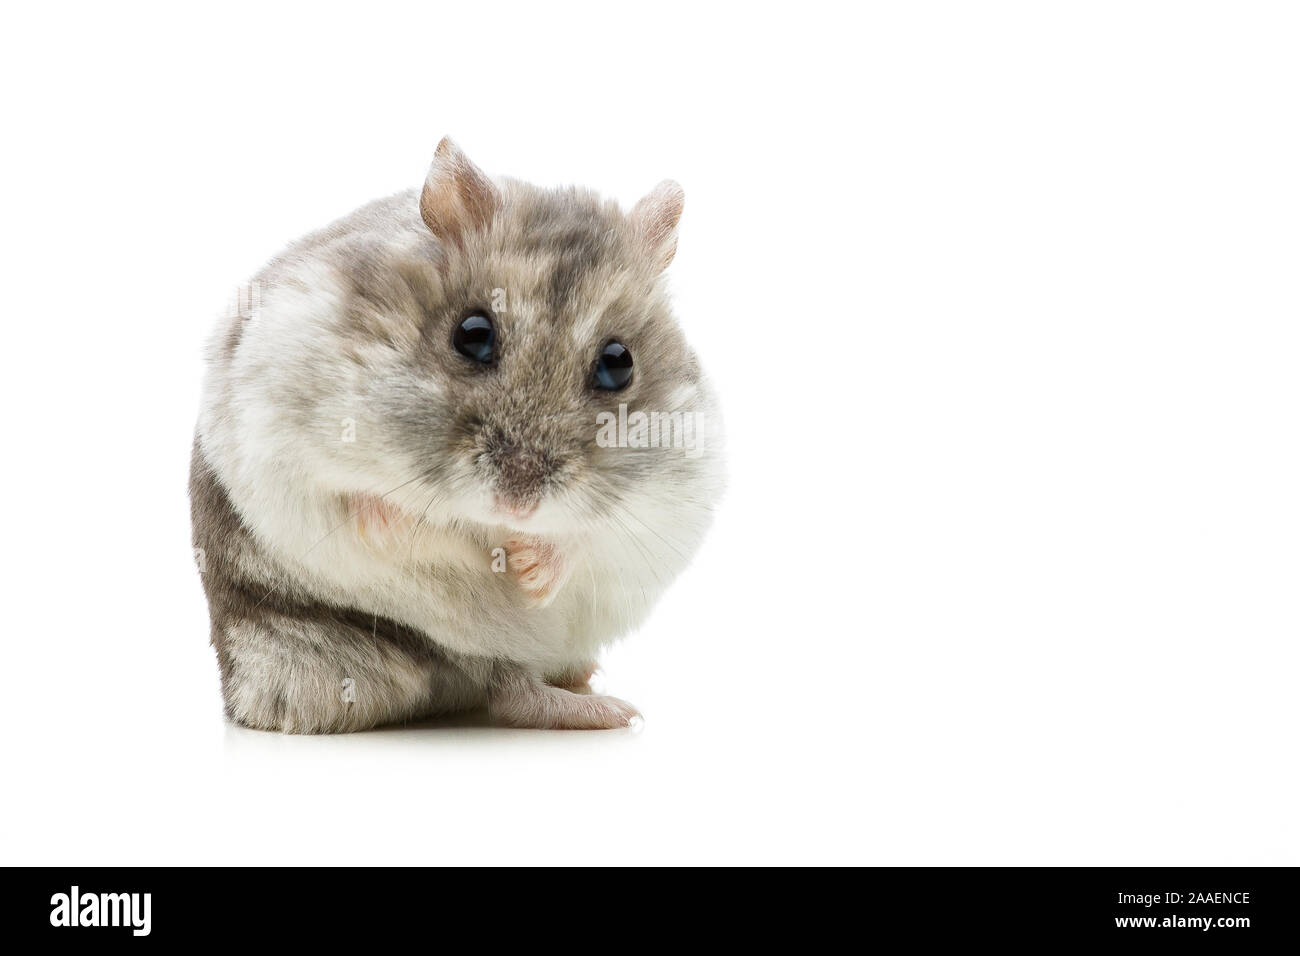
613	367
475	337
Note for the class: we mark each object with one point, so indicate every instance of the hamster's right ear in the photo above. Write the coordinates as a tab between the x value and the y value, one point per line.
457	198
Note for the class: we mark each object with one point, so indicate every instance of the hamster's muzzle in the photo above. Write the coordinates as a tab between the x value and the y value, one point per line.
519	474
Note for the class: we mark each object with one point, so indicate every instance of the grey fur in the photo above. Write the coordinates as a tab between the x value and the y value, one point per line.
258	613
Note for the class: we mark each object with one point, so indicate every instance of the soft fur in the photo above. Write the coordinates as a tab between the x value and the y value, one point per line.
353	475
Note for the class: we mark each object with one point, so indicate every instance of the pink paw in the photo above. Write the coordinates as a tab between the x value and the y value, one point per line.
563	710
538	567
378	523
520	700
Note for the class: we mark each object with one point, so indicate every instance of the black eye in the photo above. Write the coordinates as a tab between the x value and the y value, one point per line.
475	337
613	367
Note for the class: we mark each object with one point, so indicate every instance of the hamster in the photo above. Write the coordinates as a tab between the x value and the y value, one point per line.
455	445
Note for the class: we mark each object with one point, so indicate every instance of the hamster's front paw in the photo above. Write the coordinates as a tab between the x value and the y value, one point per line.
538	567
378	523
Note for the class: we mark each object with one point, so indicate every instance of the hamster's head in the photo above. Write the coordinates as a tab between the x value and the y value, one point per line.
520	357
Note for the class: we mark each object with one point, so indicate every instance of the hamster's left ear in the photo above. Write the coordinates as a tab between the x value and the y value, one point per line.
457	198
655	220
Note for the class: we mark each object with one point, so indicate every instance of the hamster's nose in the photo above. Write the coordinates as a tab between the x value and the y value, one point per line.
514	509
520	474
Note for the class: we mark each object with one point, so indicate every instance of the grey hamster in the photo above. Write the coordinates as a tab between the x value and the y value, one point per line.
454	445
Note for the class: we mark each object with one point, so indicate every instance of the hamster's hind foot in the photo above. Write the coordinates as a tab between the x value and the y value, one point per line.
520	700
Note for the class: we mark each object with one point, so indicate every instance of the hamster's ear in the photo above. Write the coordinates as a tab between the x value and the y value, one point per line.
457	197
655	219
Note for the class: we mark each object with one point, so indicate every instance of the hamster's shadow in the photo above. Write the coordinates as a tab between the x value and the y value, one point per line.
465	728
476	719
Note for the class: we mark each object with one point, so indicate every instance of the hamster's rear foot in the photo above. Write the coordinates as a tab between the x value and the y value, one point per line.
520	700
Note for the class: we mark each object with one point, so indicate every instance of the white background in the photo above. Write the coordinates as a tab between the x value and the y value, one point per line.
1001	300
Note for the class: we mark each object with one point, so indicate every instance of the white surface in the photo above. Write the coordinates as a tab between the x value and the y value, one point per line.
1002	303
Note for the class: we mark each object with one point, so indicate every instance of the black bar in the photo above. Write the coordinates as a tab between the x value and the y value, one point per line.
1230	909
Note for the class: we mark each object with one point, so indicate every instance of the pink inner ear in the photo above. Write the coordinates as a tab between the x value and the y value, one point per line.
656	217
457	197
